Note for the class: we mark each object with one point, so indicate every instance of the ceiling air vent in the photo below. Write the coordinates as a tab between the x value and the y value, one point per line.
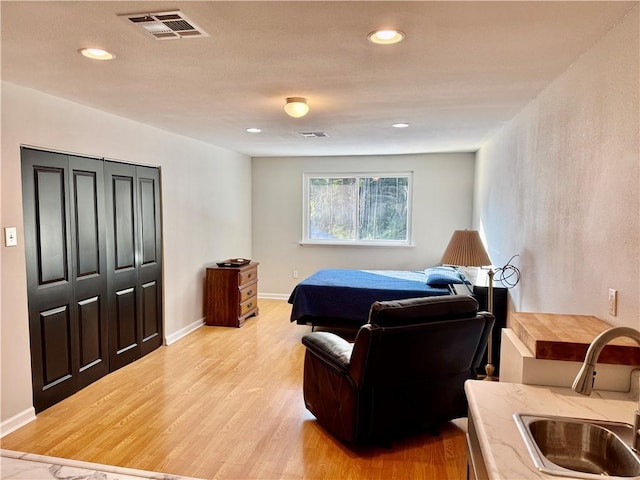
314	134
172	25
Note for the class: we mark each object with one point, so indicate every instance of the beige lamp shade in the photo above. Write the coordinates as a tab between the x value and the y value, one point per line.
465	249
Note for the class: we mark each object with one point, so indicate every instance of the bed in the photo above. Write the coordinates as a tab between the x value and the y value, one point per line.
343	298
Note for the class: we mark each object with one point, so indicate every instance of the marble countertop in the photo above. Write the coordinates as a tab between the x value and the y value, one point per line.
30	466
492	405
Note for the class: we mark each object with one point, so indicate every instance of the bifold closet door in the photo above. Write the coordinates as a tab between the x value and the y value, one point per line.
64	218
150	263
94	272
134	266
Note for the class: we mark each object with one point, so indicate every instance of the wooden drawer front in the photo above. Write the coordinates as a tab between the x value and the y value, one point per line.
247	292
248	275
249	305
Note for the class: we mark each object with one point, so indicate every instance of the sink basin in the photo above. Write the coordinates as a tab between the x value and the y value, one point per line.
579	448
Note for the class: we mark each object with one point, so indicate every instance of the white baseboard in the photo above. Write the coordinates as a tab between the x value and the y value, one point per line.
17	421
183	332
274	296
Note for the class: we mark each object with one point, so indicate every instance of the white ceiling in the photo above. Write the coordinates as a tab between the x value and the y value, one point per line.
464	69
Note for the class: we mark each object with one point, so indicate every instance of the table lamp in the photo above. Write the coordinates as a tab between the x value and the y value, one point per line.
465	249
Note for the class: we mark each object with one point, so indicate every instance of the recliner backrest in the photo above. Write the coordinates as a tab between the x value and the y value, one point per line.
419	338
412	311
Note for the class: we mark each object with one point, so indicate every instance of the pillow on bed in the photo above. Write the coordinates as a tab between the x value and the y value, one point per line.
443	276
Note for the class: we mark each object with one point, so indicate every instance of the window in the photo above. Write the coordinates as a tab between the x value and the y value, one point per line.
368	208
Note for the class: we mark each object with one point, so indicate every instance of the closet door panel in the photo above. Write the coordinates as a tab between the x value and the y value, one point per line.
52	326
57	346
51	224
149	311
124	222
124	320
90	323
89	268
148	221
150	269
87	223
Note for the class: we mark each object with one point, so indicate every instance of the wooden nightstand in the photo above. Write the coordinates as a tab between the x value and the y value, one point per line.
231	294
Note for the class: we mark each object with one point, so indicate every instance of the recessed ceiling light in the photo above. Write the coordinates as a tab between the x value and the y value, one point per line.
386	36
253	130
96	54
400	125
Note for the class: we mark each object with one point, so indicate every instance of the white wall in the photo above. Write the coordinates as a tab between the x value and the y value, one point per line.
206	202
442	203
559	185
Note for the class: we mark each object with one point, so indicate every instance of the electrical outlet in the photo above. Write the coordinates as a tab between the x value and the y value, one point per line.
613	302
294	274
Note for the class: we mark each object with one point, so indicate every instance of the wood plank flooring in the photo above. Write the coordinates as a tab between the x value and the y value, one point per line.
224	403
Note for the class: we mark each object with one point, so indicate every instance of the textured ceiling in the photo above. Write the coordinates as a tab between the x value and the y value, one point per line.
464	69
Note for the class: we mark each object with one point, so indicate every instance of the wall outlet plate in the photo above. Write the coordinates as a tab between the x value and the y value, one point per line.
613	302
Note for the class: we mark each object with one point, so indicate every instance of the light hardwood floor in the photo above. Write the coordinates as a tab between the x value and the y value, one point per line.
224	403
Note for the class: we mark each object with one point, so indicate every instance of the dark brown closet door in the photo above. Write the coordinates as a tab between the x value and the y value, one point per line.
66	276
94	270
88	235
134	249
150	270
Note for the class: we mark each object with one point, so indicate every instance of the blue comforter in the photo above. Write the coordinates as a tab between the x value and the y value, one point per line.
348	294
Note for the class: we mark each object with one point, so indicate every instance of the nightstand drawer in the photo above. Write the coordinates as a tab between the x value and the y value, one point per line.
249	305
248	275
248	291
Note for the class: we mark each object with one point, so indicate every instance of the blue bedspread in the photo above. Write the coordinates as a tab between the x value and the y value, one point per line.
348	294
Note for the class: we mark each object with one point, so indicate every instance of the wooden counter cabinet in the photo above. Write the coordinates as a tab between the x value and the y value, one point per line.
231	294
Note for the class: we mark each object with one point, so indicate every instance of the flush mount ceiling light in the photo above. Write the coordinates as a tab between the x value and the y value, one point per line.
400	125
296	107
96	54
253	130
386	36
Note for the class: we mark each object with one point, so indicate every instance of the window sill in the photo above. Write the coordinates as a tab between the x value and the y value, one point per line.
308	243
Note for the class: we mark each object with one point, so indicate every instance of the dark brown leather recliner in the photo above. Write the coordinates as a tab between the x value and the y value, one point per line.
405	372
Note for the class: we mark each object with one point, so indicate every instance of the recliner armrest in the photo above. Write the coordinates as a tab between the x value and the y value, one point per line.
329	347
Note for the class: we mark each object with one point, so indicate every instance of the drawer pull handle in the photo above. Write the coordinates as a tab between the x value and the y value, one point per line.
249	305
249	275
249	293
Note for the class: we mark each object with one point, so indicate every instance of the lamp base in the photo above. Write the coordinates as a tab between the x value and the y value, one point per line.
490	369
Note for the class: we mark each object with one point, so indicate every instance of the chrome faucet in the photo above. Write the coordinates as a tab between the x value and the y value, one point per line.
583	382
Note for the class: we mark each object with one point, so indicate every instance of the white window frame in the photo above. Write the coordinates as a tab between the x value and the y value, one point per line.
408	242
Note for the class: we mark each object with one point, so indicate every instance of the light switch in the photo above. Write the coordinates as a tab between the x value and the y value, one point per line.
10	236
